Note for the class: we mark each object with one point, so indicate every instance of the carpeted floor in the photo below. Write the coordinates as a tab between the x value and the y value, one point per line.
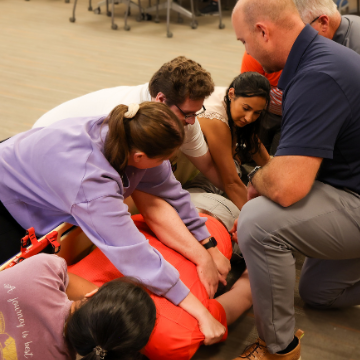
46	60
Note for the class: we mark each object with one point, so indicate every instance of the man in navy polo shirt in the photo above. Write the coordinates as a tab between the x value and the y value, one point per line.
310	190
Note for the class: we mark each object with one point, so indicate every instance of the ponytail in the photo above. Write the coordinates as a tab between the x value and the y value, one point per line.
113	324
154	129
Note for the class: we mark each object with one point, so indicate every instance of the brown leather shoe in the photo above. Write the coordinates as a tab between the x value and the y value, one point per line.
259	351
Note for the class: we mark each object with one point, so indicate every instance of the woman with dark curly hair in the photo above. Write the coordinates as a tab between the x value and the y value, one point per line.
231	126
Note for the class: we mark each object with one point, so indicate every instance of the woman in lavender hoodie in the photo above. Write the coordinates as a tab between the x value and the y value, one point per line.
80	170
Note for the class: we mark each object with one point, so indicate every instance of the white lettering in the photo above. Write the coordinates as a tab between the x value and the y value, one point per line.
18	312
27	352
9	287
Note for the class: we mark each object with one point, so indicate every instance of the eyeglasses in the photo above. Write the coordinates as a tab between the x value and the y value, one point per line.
188	116
315	19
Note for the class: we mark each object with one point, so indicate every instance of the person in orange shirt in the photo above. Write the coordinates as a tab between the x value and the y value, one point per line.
176	334
271	124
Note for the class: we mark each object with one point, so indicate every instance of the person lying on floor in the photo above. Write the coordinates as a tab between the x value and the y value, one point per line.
74	317
80	170
177	334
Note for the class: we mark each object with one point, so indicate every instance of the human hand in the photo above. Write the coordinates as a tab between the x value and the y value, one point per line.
208	275
233	231
222	264
252	193
212	329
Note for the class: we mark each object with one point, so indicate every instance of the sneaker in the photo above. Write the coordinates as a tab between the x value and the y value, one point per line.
212	8
259	351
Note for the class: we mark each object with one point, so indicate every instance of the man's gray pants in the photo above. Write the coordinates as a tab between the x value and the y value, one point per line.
325	227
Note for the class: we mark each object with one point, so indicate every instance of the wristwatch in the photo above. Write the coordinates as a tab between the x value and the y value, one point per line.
252	173
211	243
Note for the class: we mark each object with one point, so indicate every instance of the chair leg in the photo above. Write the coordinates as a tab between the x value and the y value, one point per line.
90	7
180	20
126	26
194	23
221	25
107	8
196	5
168	33
113	25
142	14
157	20
72	19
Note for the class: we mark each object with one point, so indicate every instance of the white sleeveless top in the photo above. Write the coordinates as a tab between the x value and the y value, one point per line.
215	106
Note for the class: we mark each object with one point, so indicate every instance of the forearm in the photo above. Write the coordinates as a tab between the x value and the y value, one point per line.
174	234
168	227
286	179
170	191
206	166
212	174
236	192
212	329
236	301
264	184
194	307
262	157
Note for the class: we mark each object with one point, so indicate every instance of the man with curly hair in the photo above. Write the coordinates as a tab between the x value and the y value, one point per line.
182	84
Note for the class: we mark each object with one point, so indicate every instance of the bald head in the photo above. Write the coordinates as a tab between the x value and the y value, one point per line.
268	29
279	12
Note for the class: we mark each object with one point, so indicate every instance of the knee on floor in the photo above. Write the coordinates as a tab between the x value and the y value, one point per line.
314	296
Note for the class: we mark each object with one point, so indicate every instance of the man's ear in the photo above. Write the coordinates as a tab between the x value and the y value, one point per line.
160	97
92	293
324	21
262	30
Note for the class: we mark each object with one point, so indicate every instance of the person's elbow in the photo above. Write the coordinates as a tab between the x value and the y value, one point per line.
288	194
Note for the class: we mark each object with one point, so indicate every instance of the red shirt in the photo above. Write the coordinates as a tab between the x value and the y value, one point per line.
250	64
176	334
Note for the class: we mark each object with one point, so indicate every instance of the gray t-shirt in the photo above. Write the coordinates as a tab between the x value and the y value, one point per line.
33	309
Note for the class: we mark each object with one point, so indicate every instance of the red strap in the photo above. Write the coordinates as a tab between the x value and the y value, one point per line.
30	245
52	239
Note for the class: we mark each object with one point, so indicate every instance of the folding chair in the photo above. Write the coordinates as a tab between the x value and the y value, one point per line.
171	5
72	19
